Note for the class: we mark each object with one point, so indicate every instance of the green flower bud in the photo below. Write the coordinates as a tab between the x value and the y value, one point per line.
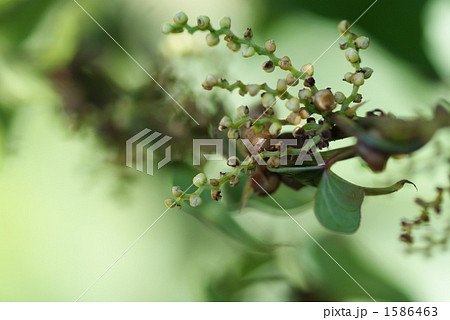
177	191
348	77
211	80
170	203
281	85
304	114
242	111
233	161
294	118
305	95
199	180
339	97
225	23
195	200
268	100
367	72
270	46
268	66
308	69
180	18
324	100
275	128
362	42
225	123
352	56
203	22
167	28
293	104
343	26
358	79
248	51
233	46
253	89
285	63
233	134
212	39
291	80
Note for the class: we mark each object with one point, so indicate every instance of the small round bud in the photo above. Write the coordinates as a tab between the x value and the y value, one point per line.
212	39
216	195
233	134
304	114
233	161
248	34
203	22
167	28
248	51
242	111
170	203
281	85
358	79
305	95
308	69
275	128
367	72
214	182
177	191
195	200
211	80
348	77
229	37
234	181
225	123
291	80
199	180
339	97
273	162
180	18
293	104
343	46
225	23
362	42
253	89
270	46
285	63
233	46
343	26
358	98
268	66
309	82
268	100
324	100
294	118
352	56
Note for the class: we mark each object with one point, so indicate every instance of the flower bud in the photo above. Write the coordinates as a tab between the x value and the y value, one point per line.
225	23
281	85
253	89
248	51
343	26
358	98
233	134
358	79
294	118
367	72
352	56
270	46
170	203
234	181
304	114
216	195
268	100
305	95
248	34
293	104
214	182
233	161
167	28
212	39
233	46
324	100
268	66
285	63
291	80
211	80
180	18
362	42
203	22
348	77
195	200
308	69
199	180
339	97
275	128
225	123
242	111
177	191
309	82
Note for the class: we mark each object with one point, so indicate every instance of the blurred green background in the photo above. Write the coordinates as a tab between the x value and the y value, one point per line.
69	98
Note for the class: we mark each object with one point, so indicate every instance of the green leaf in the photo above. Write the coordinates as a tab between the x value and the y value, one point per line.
309	176
338	203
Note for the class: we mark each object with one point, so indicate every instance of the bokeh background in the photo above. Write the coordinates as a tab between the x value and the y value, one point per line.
69	98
